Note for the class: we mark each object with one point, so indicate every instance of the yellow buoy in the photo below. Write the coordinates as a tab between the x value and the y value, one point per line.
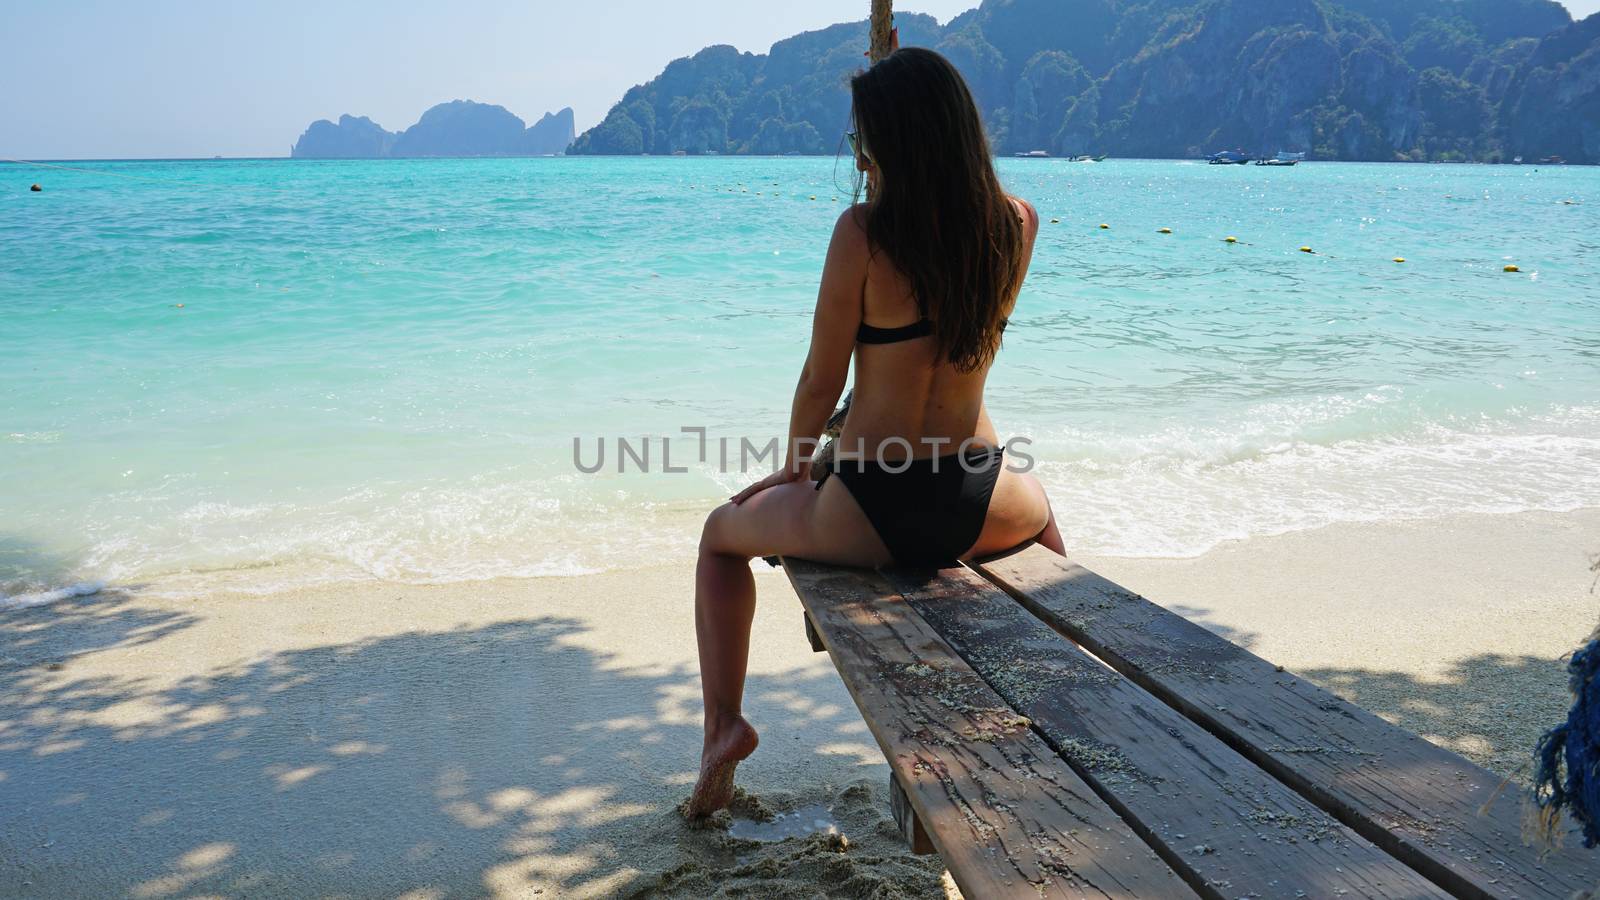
1399	259
1104	225
1306	250
1512	269
1164	230
1231	239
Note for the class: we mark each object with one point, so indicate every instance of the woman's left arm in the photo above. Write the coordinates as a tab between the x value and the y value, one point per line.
833	339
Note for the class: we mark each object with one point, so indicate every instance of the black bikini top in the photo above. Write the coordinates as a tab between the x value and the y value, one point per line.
872	334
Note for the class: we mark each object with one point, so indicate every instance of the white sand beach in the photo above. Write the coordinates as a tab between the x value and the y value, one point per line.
524	738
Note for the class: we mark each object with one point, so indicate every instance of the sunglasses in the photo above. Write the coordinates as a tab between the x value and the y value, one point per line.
854	138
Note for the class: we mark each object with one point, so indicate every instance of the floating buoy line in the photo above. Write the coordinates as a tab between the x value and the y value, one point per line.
1233	240
1229	239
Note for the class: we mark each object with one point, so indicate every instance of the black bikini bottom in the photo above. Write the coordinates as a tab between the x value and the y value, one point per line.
930	512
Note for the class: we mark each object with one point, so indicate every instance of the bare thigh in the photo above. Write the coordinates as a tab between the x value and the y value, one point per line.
1018	511
796	519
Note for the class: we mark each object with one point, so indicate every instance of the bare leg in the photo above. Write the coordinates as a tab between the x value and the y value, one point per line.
1019	512
1050	537
724	605
789	519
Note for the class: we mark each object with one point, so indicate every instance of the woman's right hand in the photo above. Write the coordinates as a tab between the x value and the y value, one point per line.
782	476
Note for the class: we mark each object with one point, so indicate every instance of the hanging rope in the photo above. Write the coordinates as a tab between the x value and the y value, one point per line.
1568	755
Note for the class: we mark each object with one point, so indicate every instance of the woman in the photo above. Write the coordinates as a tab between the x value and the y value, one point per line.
918	284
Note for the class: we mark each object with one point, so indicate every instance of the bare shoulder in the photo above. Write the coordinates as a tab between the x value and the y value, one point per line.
849	240
852	224
1030	231
1030	216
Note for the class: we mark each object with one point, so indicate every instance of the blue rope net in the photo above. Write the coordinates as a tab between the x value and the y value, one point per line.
1568	755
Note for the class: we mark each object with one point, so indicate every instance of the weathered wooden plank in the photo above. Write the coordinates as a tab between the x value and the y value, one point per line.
1224	824
1009	818
1451	820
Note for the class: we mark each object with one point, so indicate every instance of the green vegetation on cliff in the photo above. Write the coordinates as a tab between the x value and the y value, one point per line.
1340	79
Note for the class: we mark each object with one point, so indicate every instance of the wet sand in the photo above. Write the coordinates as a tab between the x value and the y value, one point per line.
533	737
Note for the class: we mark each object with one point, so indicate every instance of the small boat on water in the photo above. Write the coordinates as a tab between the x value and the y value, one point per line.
1282	159
1229	158
1087	158
1033	154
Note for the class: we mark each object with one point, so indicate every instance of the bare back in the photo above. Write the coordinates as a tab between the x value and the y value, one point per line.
901	391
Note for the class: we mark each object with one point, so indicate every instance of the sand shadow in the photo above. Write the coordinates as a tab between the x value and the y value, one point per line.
1489	708
504	759
1205	619
50	635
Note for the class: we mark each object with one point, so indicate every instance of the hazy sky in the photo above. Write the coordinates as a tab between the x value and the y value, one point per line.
1582	8
109	78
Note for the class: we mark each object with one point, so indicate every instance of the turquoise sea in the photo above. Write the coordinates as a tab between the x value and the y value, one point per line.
263	373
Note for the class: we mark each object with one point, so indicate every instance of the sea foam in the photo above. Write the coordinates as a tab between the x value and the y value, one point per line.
42	598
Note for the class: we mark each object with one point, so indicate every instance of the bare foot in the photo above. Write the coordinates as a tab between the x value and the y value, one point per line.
725	748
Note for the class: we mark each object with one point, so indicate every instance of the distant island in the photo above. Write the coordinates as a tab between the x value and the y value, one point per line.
1440	80
457	128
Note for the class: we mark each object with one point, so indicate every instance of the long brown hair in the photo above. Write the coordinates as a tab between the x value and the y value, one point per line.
937	207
